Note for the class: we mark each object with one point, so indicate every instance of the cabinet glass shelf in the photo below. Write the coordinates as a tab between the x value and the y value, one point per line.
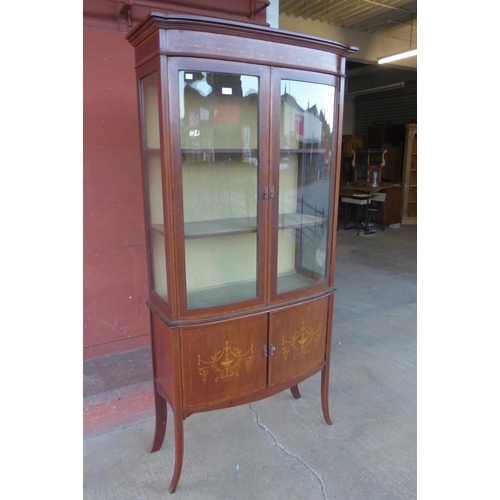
228	156
223	294
302	150
219	155
242	225
240	291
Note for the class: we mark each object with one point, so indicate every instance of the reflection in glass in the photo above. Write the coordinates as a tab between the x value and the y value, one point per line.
152	166
219	134
306	135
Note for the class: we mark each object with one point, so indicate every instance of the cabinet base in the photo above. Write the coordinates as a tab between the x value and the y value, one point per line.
179	415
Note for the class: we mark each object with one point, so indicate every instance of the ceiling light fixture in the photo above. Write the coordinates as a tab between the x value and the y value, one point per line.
402	55
396	57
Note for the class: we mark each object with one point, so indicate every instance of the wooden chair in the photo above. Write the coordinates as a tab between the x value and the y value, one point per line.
377	205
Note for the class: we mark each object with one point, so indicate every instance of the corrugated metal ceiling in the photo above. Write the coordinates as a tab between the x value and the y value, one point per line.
392	18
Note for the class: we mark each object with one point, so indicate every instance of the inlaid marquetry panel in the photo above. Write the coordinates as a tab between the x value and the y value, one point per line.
223	360
298	334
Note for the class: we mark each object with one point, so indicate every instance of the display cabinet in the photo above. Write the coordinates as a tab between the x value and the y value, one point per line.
241	134
410	176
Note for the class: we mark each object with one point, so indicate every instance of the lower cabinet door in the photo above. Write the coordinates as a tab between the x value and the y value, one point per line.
298	335
223	360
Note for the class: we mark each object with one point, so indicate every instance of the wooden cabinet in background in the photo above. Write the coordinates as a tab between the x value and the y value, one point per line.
349	144
240	134
393	164
352	142
390	137
390	212
410	176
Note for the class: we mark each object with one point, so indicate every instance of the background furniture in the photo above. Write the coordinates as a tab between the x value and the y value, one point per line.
367	165
391	138
376	206
410	176
388	137
349	144
357	201
390	212
240	169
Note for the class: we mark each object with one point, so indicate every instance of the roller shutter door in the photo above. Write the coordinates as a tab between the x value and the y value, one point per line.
396	106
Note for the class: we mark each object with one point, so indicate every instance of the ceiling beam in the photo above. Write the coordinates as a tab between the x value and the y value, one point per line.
387	6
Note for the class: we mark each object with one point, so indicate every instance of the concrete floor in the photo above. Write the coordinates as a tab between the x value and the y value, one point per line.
281	448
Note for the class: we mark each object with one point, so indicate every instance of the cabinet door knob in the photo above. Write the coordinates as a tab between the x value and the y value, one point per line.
269	352
272	192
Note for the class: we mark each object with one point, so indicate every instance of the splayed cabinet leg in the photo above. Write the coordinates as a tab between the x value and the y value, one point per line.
295	391
179	449
325	382
161	422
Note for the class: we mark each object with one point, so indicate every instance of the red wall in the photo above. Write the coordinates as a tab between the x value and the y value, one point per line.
114	261
115	275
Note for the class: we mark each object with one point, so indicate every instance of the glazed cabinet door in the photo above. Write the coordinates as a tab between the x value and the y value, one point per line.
224	360
304	130
221	166
297	339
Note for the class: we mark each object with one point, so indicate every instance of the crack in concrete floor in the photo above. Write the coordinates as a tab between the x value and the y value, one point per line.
290	454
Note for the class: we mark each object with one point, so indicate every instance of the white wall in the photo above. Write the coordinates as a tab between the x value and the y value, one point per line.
273	13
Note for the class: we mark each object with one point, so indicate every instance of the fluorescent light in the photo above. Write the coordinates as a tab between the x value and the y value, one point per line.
396	57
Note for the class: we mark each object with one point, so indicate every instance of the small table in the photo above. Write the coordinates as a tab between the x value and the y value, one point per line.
364	188
359	199
391	208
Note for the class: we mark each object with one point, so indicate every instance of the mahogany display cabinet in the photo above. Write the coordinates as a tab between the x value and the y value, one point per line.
241	139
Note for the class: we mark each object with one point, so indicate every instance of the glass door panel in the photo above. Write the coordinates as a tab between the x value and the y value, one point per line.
219	150
154	197
305	183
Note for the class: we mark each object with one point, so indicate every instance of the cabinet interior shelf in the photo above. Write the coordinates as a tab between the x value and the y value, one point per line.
216	150
253	150
199	154
241	225
243	290
233	292
302	150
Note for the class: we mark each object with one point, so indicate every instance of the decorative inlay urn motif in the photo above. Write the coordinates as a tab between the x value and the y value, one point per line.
226	363
301	343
